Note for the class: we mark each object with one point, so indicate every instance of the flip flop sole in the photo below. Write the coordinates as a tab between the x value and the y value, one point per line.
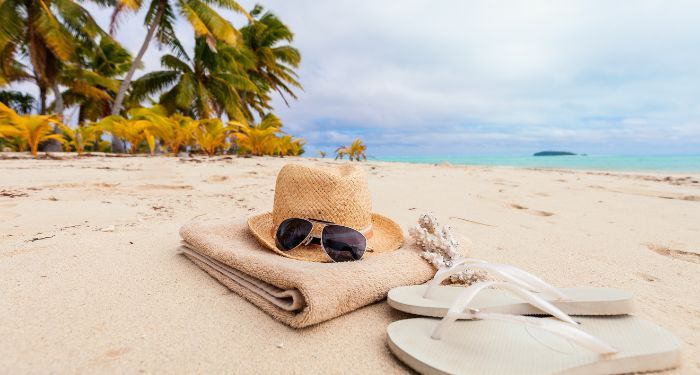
584	301
493	347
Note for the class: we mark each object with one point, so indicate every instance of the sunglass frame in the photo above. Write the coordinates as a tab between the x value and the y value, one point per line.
310	237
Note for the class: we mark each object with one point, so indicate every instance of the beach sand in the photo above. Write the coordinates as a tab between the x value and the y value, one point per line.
91	281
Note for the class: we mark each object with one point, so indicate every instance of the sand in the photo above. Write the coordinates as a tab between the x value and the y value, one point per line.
90	280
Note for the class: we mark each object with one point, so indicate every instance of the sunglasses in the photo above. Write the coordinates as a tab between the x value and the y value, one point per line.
341	243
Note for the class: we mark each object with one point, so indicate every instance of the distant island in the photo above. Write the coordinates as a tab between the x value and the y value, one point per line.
553	153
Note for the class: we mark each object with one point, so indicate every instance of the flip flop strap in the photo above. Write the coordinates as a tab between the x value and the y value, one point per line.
566	329
510	273
463	300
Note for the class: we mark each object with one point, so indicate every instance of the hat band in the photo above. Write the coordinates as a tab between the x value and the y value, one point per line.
367	231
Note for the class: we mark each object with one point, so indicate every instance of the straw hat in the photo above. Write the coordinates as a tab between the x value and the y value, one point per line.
339	195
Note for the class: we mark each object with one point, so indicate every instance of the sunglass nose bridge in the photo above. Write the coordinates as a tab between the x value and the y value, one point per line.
308	240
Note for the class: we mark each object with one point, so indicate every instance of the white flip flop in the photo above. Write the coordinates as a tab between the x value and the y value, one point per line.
497	343
433	299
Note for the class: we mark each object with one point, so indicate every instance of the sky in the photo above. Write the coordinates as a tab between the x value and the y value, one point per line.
450	77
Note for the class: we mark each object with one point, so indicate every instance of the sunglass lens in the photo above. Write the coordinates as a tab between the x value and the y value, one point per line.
342	243
291	233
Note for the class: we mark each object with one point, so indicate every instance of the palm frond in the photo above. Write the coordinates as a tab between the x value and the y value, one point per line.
11	23
231	5
18	101
152	83
77	19
57	38
207	23
270	121
172	62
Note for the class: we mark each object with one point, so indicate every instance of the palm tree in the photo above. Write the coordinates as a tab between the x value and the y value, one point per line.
29	130
356	151
160	21
275	61
93	86
20	102
50	33
202	87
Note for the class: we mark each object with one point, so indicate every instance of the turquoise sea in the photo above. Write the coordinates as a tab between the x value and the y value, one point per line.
676	164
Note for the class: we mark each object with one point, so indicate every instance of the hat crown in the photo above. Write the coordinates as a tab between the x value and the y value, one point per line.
339	195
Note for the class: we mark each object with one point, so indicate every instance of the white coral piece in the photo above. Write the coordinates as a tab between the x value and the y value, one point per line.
441	249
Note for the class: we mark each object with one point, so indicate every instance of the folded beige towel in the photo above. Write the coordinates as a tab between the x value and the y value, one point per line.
295	292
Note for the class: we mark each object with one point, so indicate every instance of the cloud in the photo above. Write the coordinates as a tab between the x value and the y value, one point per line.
488	77
503	76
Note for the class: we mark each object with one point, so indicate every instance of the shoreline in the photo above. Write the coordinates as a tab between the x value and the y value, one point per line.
554	162
58	156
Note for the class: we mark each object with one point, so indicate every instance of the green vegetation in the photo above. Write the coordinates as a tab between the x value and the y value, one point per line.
145	129
28	130
218	100
356	151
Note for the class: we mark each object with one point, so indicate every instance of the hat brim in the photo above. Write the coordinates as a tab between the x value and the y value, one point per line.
386	236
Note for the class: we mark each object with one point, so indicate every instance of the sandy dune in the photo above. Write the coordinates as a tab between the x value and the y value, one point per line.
91	281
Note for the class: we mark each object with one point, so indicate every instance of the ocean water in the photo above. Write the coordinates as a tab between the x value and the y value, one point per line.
675	164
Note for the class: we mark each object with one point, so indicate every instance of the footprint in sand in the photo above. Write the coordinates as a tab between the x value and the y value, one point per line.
533	212
666	251
164	187
647	277
13	193
216	178
105	185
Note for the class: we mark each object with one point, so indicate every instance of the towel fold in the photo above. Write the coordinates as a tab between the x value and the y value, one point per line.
295	292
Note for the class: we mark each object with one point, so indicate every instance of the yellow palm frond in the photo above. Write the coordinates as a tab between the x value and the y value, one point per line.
30	129
77	139
212	136
208	23
8	115
53	33
130	4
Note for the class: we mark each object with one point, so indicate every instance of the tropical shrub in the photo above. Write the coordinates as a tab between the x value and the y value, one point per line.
178	132
28	130
265	138
212	136
134	131
257	139
355	151
145	128
80	138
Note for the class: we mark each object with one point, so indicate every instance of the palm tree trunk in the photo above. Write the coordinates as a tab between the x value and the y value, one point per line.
53	145
42	101
81	115
117	145
58	108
